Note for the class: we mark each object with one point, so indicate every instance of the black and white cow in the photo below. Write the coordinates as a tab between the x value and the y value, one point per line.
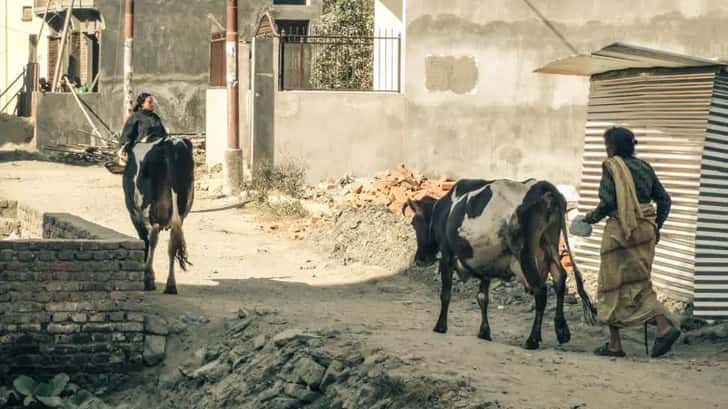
498	229
159	190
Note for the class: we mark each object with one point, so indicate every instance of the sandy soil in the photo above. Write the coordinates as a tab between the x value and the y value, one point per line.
237	265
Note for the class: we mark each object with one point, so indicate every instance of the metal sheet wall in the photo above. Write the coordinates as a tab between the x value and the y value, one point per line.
711	247
668	112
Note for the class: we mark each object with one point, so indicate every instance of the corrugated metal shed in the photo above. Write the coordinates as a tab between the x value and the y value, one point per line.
677	107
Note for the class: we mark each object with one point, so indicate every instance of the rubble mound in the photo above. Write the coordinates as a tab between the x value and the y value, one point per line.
392	188
257	365
371	235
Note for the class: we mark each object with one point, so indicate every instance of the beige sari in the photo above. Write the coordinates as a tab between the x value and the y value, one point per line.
625	295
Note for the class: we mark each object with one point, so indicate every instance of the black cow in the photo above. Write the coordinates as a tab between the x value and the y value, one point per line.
159	190
498	229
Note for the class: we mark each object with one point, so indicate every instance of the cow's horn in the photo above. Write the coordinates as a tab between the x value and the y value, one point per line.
405	205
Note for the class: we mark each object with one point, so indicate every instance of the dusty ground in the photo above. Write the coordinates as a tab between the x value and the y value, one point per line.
237	265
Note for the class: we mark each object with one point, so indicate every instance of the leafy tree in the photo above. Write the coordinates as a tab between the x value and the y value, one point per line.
345	62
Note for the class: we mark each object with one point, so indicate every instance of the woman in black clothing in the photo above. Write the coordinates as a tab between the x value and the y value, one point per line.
143	125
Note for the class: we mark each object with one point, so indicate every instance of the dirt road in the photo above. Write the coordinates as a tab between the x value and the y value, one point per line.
236	264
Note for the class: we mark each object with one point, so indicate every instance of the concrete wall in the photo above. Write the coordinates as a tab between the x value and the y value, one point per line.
216	114
335	133
60	120
474	107
171	54
15	46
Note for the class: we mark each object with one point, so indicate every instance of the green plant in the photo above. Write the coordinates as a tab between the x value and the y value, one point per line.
287	209
58	393
347	65
288	178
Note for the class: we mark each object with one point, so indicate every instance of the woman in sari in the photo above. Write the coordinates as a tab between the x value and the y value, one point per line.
625	295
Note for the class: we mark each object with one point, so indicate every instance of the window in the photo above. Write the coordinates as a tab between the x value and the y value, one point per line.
293	28
218	68
291	2
27	13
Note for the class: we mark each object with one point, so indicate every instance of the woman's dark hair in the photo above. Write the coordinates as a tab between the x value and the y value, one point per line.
140	101
622	139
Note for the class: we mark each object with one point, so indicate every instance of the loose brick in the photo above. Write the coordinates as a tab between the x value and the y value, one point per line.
136	255
84	255
117	316
60	316
121	254
129	327
132	265
118	337
120	275
102	337
98	327
135	317
58	328
133	245
43	275
62	306
79	317
65	255
135	276
27	306
41	266
89	246
108	245
33	327
26	256
7	254
97	317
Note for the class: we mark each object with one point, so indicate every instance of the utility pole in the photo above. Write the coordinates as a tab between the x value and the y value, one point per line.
128	49
233	163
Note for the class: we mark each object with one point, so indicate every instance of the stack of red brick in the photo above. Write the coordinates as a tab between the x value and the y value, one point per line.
392	188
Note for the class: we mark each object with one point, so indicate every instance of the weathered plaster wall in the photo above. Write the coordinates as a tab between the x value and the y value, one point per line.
333	134
60	120
171	53
474	107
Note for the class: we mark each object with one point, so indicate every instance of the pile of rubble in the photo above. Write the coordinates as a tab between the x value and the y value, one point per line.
389	189
256	364
392	188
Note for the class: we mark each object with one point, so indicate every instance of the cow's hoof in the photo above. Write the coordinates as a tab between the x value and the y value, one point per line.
562	332
170	290
149	286
441	329
531	344
485	335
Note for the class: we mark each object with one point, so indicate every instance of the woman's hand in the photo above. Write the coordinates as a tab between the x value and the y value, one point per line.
579	227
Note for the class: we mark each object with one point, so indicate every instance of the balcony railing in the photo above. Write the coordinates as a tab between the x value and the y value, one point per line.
39	6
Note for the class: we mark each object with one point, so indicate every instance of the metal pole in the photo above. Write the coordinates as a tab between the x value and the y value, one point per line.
231	45
233	164
128	52
61	51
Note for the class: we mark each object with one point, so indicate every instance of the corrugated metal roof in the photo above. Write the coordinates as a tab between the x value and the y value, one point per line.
620	56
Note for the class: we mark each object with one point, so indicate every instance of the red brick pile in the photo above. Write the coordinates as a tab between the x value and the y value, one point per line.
392	188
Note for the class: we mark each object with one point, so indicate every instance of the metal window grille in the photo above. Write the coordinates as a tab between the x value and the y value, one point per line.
341	62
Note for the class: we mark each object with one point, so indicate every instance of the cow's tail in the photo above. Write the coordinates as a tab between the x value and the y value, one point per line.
178	246
588	308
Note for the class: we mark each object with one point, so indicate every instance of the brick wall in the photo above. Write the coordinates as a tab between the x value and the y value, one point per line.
71	305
